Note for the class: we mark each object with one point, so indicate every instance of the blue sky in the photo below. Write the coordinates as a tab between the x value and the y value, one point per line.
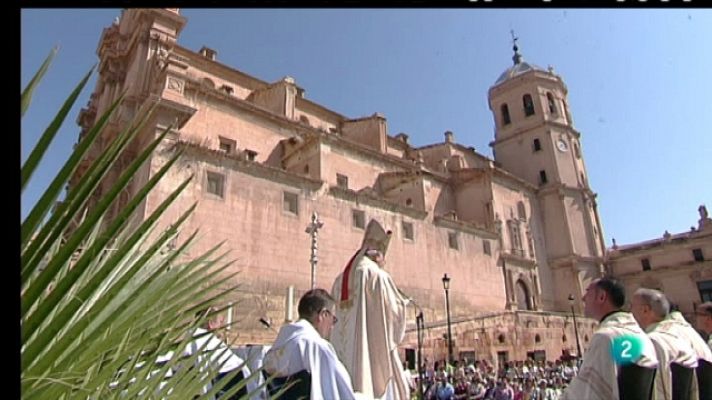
640	90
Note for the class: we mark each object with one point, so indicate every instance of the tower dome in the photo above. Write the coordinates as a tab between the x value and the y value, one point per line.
519	66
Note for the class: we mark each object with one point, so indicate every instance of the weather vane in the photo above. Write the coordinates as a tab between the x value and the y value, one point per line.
517	58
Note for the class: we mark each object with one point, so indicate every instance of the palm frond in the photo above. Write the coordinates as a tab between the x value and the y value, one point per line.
106	307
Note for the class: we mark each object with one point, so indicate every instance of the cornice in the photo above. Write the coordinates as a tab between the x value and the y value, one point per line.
518	260
543	124
464	227
621	253
250	167
572	259
364	198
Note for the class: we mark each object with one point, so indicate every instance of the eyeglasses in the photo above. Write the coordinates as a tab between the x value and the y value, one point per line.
333	317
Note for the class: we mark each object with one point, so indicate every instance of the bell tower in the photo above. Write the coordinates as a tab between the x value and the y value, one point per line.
535	140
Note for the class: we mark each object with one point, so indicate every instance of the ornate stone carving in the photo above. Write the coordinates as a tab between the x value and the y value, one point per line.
175	84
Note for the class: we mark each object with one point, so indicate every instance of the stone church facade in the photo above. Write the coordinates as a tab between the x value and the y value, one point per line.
679	265
517	234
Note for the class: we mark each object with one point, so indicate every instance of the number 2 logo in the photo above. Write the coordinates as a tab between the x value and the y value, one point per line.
626	349
627	345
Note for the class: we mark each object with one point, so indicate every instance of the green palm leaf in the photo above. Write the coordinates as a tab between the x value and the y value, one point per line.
103	298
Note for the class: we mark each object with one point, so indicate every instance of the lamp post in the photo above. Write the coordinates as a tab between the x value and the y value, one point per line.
313	231
419	328
573	314
446	286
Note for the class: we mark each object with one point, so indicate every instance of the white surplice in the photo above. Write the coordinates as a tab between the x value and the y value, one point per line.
215	354
597	378
683	329
372	321
670	348
300	347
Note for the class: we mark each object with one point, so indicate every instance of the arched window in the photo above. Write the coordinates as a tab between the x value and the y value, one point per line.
523	300
521	210
552	104
568	114
577	150
505	114
528	104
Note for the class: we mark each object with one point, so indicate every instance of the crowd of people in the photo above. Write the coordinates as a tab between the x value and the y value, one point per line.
345	346
515	380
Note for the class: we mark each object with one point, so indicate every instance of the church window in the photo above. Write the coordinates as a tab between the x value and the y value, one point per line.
216	183
486	247
506	120
568	114
250	154
542	177
515	236
577	150
645	263
408	231
306	168
705	289
697	254
452	240
291	203
521	211
358	219
408	202
552	104
528	104
537	145
342	181
227	145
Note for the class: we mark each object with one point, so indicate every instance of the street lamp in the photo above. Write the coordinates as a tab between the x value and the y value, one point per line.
446	286
573	314
313	231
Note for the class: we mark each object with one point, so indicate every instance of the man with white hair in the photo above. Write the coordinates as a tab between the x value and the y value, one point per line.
650	308
609	369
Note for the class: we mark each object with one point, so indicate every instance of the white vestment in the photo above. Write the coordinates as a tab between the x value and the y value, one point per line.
214	354
300	347
670	348
683	329
253	356
597	378
372	321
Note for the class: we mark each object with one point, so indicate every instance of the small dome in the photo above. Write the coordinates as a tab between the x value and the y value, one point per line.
518	69
519	66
